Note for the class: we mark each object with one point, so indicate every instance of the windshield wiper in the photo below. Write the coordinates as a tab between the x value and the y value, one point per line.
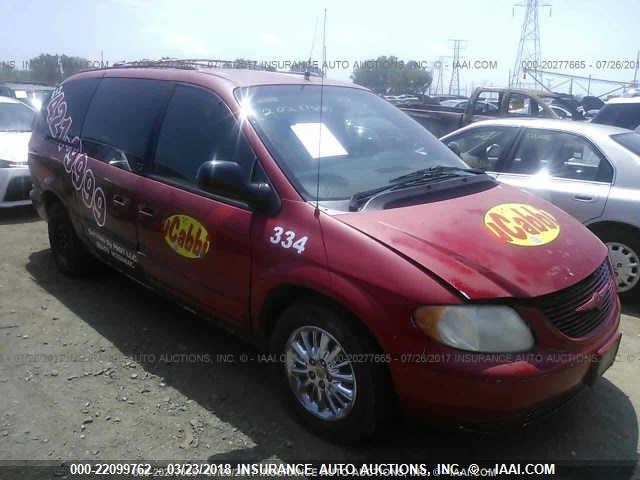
419	177
436	171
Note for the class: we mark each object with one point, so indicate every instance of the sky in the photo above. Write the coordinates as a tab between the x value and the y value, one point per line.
281	30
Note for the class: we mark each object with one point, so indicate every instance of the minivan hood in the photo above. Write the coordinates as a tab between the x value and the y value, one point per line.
14	146
502	242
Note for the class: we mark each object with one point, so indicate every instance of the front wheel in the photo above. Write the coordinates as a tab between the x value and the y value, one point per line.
329	374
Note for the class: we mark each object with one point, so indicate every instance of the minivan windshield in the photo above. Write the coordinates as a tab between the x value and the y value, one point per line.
360	143
15	117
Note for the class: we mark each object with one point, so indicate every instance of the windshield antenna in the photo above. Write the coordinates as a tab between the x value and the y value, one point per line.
307	70
324	63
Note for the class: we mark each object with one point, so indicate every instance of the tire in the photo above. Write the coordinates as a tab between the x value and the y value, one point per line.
624	252
69	253
371	404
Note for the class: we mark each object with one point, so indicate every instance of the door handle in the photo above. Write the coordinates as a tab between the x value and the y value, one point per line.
120	201
146	211
583	198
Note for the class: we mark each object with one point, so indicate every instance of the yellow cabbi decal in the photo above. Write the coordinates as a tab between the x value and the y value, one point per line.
521	224
186	236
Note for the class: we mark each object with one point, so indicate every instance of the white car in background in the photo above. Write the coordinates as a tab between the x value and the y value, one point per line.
591	171
15	131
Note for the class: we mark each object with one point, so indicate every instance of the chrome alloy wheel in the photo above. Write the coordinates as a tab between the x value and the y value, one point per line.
320	374
625	265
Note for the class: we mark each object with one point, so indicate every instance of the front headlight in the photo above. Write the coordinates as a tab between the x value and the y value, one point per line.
477	328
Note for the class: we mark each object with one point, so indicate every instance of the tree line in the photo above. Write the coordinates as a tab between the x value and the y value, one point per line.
392	76
385	75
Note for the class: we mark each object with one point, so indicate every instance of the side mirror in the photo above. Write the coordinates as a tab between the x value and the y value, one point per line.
229	180
494	151
454	147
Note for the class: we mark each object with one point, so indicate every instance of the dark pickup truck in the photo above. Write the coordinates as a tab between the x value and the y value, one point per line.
486	103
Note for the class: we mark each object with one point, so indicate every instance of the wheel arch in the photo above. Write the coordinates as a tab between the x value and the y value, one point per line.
285	295
606	225
282	296
49	198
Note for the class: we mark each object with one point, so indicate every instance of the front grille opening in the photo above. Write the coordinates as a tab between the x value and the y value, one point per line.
560	307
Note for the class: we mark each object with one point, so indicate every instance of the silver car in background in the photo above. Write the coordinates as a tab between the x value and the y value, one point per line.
590	171
15	131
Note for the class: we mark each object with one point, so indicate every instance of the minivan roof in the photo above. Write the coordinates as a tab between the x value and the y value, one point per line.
235	77
246	78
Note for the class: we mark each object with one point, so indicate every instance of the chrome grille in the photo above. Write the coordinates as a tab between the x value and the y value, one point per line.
560	307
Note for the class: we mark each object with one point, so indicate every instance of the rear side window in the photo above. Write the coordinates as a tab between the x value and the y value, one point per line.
198	127
561	155
122	115
624	115
630	141
64	109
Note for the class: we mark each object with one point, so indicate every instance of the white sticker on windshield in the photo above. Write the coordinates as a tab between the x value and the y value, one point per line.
318	140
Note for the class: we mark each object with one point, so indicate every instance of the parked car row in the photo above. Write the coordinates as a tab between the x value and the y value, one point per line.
484	103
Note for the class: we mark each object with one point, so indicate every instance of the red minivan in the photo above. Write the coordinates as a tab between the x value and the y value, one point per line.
377	268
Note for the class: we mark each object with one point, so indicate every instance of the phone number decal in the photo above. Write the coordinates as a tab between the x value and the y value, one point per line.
76	164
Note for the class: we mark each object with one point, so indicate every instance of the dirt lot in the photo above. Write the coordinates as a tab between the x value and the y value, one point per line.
95	369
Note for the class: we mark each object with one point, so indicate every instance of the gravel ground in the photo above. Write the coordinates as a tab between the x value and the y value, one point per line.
101	368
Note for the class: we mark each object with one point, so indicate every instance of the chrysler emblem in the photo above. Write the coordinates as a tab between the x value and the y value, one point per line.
596	301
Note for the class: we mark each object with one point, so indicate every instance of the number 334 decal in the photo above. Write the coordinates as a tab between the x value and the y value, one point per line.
286	239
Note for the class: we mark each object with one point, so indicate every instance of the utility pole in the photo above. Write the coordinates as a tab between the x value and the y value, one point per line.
529	45
454	84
